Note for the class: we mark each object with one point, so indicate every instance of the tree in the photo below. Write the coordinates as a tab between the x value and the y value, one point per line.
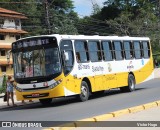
59	15
96	7
127	17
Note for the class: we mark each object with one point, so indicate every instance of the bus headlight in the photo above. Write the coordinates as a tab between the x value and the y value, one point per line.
19	89
55	84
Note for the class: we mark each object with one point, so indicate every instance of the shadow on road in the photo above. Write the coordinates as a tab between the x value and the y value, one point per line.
67	100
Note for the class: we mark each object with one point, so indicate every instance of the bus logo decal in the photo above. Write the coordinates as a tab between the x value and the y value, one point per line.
130	66
97	68
80	66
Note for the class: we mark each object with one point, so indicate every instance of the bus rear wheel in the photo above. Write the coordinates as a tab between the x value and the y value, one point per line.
45	102
131	84
84	95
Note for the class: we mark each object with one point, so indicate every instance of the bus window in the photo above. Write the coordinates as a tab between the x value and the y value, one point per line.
146	49
107	50
128	50
94	51
78	57
81	51
67	50
118	50
137	49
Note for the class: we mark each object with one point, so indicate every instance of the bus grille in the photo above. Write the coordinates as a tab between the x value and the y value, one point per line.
35	88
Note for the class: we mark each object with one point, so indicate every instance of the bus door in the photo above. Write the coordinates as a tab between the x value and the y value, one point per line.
68	61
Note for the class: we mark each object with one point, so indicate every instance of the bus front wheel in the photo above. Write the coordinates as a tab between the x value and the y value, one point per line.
131	84
84	95
45	102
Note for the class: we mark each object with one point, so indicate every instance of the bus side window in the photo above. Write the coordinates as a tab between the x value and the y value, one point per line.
146	49
137	49
94	51
118	50
141	49
128	50
132	50
77	56
99	53
107	51
81	51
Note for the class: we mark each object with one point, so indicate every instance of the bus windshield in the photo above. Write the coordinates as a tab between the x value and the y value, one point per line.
42	62
36	62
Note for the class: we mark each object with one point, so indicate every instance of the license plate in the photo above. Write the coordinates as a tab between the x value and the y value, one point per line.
35	94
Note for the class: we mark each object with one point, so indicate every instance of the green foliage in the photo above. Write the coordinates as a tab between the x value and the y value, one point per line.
116	17
109	12
59	12
3	87
1	90
125	17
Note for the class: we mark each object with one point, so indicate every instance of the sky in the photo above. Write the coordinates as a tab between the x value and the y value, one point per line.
84	7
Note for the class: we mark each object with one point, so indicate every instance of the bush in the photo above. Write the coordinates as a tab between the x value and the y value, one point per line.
3	87
2	90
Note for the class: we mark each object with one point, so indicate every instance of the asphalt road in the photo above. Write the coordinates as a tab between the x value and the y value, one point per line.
69	109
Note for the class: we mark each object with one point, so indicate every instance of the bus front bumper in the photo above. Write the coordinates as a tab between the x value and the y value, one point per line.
58	91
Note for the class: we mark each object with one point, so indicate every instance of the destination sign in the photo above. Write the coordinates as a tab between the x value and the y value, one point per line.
32	43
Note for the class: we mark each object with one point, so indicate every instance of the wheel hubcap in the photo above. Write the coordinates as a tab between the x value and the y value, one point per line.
84	91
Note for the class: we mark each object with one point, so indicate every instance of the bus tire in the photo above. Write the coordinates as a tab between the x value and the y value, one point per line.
131	84
84	95
46	101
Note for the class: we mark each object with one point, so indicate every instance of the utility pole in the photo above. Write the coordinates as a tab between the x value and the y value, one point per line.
47	16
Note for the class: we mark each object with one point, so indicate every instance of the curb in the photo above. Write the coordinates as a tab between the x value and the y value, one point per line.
104	117
2	95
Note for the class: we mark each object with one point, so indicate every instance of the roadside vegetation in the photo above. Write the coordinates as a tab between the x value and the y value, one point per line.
3	85
115	17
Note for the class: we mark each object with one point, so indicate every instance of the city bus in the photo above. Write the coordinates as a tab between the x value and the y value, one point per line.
52	66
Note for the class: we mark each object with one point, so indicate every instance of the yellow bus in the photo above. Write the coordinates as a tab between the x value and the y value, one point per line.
51	66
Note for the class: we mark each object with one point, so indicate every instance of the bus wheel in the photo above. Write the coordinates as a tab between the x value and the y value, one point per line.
131	84
84	92
45	102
